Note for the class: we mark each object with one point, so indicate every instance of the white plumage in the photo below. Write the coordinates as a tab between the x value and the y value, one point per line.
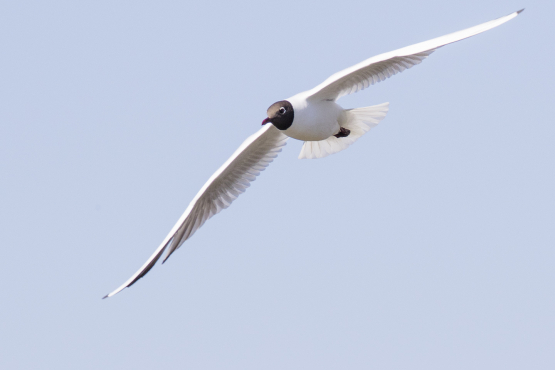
359	121
317	117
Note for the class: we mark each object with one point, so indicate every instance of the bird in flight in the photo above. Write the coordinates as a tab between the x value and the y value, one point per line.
312	116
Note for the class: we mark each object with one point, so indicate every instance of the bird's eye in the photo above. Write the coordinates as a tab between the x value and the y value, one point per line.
282	110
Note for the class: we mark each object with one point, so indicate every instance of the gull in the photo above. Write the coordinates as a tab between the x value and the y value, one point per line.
312	116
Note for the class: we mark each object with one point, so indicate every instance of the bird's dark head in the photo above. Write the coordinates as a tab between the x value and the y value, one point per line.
280	114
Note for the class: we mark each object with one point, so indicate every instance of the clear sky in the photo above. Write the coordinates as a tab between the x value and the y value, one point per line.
428	244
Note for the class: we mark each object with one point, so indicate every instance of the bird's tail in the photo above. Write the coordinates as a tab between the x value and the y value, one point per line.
359	121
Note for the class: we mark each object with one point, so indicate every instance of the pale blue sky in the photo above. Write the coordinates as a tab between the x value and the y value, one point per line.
428	244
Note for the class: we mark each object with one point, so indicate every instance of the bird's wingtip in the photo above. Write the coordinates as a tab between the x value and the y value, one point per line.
106	296
166	257
520	11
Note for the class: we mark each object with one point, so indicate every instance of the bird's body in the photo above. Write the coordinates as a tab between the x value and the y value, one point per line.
312	116
314	120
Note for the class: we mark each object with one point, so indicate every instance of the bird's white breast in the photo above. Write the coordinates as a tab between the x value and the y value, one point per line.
313	121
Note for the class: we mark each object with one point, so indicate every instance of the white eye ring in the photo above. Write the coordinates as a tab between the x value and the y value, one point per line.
282	110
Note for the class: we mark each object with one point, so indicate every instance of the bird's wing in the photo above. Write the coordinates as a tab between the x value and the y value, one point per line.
380	67
225	185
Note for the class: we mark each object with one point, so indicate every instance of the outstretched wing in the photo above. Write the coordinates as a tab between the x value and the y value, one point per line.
380	67
225	185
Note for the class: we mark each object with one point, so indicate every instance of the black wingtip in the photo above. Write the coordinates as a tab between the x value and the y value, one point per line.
166	258
520	11
106	296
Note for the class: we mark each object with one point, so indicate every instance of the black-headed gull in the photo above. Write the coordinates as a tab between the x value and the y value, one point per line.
312	116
